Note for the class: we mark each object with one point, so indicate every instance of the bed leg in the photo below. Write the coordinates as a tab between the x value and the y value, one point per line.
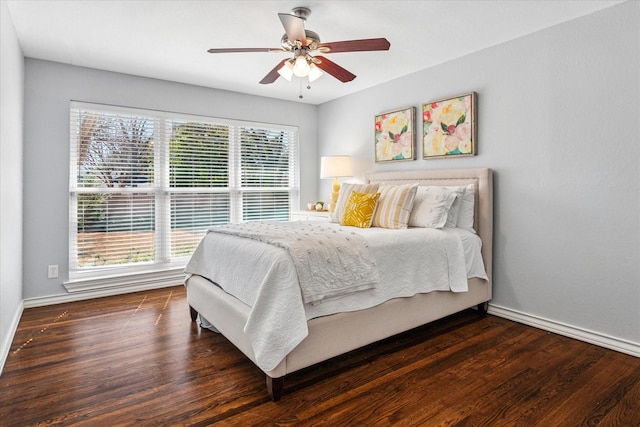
193	313
274	387
483	307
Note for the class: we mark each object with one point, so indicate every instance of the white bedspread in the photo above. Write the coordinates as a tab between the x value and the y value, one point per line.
330	262
410	261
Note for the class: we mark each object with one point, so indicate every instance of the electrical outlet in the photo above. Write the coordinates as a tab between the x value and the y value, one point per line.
52	272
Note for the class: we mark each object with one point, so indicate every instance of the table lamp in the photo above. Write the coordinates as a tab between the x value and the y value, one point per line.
335	167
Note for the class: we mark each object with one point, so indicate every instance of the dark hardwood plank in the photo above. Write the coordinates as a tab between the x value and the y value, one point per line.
610	382
139	359
625	413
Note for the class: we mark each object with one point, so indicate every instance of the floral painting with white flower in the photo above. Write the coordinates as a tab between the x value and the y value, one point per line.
448	127
395	136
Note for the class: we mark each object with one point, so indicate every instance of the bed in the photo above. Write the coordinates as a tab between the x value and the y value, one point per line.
323	334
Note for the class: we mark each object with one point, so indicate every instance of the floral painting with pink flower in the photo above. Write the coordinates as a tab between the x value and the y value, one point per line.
394	135
449	127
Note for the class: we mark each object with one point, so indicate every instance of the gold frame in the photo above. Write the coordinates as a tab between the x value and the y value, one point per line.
395	135
449	127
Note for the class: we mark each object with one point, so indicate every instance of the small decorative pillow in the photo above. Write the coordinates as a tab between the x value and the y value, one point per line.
394	206
359	209
343	196
431	207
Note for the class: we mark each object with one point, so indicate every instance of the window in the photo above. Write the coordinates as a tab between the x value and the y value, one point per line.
145	186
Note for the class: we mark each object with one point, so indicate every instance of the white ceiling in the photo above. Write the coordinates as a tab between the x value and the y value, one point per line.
169	39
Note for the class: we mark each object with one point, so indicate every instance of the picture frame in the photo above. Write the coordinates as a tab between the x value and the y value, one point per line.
395	135
449	127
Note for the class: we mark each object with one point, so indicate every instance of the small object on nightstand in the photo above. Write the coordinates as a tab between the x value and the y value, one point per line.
319	206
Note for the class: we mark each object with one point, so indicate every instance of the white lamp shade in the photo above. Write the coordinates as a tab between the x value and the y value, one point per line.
335	166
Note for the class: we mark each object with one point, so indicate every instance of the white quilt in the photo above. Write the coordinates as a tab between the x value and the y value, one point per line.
330	262
409	261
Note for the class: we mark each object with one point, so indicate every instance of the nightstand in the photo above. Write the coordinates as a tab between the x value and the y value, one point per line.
310	216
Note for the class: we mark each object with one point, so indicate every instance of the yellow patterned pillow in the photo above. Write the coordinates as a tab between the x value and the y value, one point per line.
343	196
359	209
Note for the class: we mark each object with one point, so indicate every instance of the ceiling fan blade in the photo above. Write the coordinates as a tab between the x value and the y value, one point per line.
294	27
355	45
273	75
245	50
334	69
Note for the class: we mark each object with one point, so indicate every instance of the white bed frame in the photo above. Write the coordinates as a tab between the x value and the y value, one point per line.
337	334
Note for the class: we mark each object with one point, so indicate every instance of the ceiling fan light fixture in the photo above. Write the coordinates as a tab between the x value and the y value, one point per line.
286	71
304	44
314	73
301	66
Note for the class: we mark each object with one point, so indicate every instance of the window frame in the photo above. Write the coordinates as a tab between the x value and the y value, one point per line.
164	265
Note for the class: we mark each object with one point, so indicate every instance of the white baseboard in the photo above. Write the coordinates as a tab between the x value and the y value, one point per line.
8	338
612	343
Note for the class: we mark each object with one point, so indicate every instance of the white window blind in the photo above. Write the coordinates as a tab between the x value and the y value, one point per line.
198	182
145	185
266	173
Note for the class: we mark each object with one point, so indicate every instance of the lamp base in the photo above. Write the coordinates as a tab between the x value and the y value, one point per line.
334	195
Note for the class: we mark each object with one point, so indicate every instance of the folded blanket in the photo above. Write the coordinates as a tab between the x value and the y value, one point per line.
329	262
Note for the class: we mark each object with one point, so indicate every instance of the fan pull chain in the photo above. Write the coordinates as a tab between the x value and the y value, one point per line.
308	87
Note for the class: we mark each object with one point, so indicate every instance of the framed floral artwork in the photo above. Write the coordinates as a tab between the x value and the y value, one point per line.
449	127
395	135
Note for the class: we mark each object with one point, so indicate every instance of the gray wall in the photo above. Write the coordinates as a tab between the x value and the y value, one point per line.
559	122
11	115
49	88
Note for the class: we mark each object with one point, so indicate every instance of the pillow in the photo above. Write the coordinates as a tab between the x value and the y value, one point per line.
359	209
467	208
343	196
394	206
431	207
456	207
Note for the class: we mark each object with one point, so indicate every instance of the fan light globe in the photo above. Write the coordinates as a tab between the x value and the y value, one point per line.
314	73
301	67
286	71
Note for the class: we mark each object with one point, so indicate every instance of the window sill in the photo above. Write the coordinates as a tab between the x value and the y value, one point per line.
146	279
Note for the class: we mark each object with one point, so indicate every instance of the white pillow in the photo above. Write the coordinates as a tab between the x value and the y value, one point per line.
343	196
467	208
461	213
394	206
431	206
452	216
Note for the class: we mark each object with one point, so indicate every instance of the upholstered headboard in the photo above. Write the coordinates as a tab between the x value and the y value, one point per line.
481	178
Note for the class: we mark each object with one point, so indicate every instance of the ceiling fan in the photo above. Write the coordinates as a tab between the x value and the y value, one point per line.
303	43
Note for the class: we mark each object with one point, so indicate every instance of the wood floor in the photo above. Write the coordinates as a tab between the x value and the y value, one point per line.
137	359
